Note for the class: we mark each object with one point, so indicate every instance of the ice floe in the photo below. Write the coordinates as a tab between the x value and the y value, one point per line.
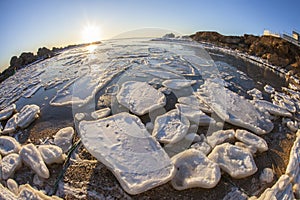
27	115
170	127
123	144
11	124
202	146
140	98
177	84
6	194
234	109
32	91
194	169
9	145
28	192
219	137
255	93
272	108
266	175
63	138
98	114
10	164
13	186
233	160
284	101
251	139
7	112
31	156
193	101
195	115
51	154
269	89
292	125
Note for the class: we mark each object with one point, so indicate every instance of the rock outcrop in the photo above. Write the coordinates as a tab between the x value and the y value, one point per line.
277	51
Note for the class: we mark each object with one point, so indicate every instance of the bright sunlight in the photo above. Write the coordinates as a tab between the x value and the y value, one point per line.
91	33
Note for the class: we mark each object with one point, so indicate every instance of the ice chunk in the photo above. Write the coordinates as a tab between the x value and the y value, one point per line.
255	93
163	74
194	169
233	108
13	186
11	124
203	147
63	138
5	194
32	157
292	125
123	144
27	115
32	91
247	147
170	127
233	160
272	108
269	89
266	175
195	115
8	145
284	101
193	137
51	154
7	112
195	102
140	98
219	137
98	114
236	194
177	84
27	192
251	139
10	164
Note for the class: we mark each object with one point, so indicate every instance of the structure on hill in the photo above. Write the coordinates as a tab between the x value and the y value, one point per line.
294	38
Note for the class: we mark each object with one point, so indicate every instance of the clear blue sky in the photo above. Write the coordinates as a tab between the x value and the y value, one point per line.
26	25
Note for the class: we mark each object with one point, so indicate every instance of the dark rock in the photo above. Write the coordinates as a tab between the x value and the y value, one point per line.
44	53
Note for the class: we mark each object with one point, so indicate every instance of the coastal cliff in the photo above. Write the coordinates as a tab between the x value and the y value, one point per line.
276	51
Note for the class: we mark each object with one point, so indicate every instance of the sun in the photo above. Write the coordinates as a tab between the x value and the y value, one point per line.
91	33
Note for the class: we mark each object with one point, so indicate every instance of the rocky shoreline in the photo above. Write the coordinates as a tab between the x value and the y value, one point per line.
276	51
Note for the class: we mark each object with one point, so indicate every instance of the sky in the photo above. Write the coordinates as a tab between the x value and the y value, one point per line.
26	25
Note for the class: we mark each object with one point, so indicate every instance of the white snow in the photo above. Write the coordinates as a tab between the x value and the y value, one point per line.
233	108
170	127
7	112
51	154
195	115
233	160
251	139
266	175
177	84
272	108
140	98
31	156
98	114
122	143
204	147
8	145
194	169
63	138
219	137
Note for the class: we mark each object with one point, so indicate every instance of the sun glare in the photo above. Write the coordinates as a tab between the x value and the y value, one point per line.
91	33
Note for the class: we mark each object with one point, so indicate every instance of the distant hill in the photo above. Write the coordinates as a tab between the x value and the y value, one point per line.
276	50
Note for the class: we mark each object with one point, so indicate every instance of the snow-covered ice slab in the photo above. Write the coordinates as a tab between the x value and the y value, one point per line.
233	108
272	108
32	91
98	114
122	143
7	112
63	138
8	145
163	74
177	84
140	98
194	169
195	115
251	139
195	102
170	127
10	164
219	137
27	115
31	156
255	93
233	160
269	89
51	154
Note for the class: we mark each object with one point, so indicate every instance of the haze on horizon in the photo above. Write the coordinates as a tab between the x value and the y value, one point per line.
27	25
